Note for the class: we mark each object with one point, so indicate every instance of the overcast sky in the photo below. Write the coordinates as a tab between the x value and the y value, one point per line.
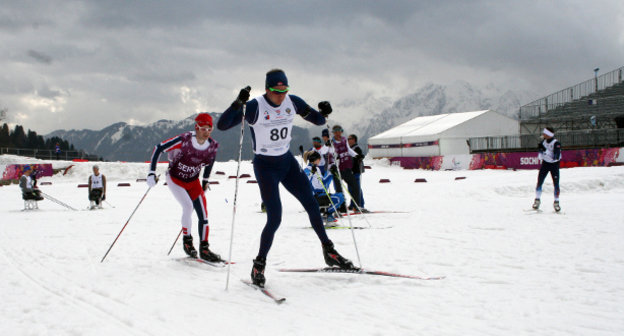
88	64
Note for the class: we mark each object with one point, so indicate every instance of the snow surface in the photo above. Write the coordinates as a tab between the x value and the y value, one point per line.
508	271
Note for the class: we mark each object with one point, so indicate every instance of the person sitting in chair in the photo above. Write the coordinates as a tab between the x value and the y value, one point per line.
97	188
29	186
320	184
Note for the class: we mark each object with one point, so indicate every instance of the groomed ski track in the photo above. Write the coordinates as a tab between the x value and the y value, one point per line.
506	272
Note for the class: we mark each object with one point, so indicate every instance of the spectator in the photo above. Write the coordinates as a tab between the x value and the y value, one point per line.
358	169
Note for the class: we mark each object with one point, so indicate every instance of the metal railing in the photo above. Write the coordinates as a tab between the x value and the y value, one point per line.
570	139
48	154
576	92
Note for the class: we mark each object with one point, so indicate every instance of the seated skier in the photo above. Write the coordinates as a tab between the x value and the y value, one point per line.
320	184
28	184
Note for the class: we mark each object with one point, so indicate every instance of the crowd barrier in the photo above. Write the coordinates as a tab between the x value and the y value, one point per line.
603	157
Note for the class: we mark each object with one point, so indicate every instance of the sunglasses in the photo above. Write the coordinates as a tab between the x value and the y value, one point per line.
278	91
205	128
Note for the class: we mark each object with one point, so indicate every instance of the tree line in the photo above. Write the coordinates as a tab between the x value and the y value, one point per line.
18	138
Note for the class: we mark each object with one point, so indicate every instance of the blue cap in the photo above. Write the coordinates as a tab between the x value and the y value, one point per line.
26	168
275	78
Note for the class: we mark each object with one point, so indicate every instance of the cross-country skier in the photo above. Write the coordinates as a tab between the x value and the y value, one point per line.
97	188
550	154
320	186
270	118
188	153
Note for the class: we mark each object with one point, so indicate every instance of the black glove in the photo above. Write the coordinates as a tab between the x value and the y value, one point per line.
243	95
205	185
359	157
328	144
103	197
333	170
325	108
313	169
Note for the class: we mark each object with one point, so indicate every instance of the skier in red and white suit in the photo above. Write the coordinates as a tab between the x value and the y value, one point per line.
188	153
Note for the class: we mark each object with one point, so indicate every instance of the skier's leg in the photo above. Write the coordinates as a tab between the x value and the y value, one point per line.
543	172
298	185
202	217
182	196
268	182
554	173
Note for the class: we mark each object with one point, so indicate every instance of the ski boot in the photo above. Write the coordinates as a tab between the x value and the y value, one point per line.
257	271
333	258
206	254
536	204
331	221
343	209
556	206
187	244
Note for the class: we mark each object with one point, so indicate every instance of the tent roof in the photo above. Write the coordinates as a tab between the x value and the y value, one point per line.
428	125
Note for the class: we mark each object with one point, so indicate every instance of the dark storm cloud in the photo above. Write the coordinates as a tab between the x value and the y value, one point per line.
40	57
149	60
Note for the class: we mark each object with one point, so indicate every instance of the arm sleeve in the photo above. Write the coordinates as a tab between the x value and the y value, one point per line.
89	184
22	183
103	184
307	112
161	147
327	179
557	151
233	115
207	171
351	151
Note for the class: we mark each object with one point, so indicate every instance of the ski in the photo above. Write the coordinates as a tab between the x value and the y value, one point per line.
354	213
276	299
217	264
355	227
357	271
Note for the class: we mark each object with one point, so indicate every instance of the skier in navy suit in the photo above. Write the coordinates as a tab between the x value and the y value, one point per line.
270	118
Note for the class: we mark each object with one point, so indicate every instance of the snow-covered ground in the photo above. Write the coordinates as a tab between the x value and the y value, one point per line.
508	271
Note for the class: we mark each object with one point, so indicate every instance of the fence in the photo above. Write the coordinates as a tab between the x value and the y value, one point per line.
48	154
570	94
529	142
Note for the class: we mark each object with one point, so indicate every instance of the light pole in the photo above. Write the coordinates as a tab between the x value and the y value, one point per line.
596	77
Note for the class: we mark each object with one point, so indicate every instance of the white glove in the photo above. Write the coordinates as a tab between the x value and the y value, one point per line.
151	179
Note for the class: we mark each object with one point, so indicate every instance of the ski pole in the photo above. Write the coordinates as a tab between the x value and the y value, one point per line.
174	242
302	159
128	221
240	152
337	162
48	197
112	206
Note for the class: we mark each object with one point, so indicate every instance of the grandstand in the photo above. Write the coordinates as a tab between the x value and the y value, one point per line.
587	115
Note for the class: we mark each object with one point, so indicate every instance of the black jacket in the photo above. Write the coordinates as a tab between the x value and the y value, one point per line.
358	162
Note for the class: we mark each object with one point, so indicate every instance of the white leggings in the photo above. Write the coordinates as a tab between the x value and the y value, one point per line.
188	205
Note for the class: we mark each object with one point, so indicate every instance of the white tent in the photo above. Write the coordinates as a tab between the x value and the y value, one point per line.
442	134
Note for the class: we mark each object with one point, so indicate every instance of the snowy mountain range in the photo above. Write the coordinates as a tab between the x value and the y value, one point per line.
364	117
123	142
433	99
